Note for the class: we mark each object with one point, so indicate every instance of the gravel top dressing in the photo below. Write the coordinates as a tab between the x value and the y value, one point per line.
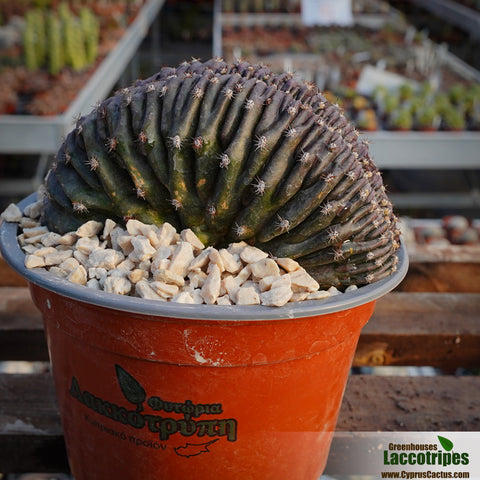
158	263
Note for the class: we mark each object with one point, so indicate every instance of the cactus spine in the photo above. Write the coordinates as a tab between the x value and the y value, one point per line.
234	152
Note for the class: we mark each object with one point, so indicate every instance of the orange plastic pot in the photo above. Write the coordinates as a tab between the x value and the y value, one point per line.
163	391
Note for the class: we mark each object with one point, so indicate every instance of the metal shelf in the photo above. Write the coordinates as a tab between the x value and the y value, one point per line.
250	19
447	151
445	201
23	134
391	150
463	17
425	150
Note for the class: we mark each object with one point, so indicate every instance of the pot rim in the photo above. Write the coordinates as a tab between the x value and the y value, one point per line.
15	257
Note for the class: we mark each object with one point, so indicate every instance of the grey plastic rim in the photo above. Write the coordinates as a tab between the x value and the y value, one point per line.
14	256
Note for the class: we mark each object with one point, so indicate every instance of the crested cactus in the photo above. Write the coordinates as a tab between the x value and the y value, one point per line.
233	152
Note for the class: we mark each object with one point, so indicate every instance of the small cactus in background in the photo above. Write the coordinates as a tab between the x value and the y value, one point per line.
406	92
31	60
391	103
379	93
457	93
402	119
233	152
56	39
91	28
75	50
56	53
34	39
472	99
428	109
442	103
427	118
367	120
453	119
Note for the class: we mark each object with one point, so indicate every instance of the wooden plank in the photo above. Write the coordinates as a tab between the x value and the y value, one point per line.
431	253
8	277
442	268
30	453
21	326
391	403
442	277
440	330
31	437
23	345
16	300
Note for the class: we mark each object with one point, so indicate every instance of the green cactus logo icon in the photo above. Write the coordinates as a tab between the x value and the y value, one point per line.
445	443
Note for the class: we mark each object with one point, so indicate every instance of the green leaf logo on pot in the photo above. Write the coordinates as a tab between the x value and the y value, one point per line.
445	443
131	388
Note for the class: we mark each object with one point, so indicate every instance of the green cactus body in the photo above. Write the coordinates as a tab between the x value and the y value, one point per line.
406	91
58	38
56	54
34	39
457	94
31	60
74	38
91	29
402	119
454	119
76	43
427	118
40	34
234	152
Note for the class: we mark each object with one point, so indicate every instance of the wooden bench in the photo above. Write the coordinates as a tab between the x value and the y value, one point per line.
436	329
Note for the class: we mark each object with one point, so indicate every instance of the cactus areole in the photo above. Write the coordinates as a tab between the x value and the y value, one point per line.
234	152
